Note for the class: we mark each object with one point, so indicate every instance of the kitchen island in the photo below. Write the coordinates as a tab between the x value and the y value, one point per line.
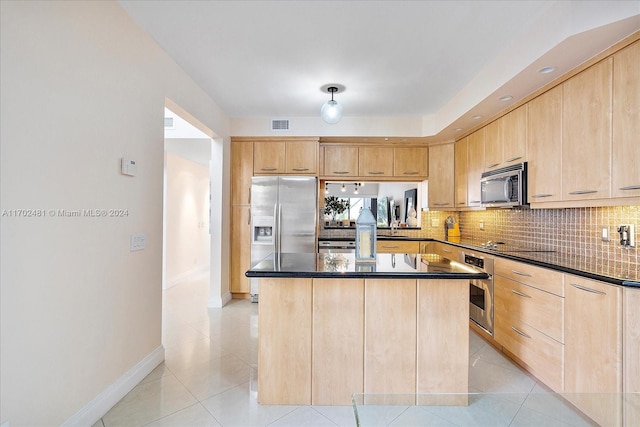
329	327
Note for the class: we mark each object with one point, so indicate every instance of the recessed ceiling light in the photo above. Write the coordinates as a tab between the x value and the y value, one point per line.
547	70
458	129
506	98
476	117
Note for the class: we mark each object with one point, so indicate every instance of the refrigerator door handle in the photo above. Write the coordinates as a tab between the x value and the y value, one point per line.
276	230
279	235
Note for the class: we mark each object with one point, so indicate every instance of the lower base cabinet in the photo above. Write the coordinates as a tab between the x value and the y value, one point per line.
593	348
631	347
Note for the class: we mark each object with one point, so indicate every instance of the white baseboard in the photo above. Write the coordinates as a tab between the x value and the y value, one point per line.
102	403
219	302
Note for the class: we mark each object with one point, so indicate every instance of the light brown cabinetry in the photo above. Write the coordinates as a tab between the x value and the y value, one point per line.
631	348
289	326
460	167
445	250
397	247
240	249
341	161
338	341
475	167
529	315
390	351
241	172
410	162
626	123
593	347
286	157
586	133
545	147
375	161
441	177
269	157
506	140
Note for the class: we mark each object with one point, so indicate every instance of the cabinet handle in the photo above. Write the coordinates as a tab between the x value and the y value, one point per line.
513	158
584	288
249	220
411	173
390	247
375	172
462	203
583	192
249	201
441	203
475	201
536	196
268	169
520	273
446	250
519	332
300	169
493	165
340	172
630	187
520	293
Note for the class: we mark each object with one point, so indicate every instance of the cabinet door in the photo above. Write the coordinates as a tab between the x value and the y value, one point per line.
461	172
475	167
341	161
338	340
397	247
410	162
631	359
269	157
626	125
375	162
593	347
492	145
390	351
241	172
545	147
240	248
586	133
302	157
513	136
285	314
441	177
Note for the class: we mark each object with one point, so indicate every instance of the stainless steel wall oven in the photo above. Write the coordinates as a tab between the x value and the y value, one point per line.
480	291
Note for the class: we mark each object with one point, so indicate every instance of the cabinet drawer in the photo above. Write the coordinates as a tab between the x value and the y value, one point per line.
542	354
541	278
445	250
397	247
538	309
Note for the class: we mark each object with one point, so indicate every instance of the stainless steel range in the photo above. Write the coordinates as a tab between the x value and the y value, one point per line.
480	291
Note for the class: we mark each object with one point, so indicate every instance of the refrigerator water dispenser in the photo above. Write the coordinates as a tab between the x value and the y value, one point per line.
262	230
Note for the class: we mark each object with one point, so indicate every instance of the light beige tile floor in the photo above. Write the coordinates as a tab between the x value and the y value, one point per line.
208	377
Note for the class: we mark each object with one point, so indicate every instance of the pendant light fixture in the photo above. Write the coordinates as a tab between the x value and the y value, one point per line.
331	111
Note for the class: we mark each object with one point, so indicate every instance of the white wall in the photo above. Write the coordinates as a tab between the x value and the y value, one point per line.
81	86
187	219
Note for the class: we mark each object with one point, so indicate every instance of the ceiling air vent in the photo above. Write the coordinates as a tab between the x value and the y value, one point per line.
280	124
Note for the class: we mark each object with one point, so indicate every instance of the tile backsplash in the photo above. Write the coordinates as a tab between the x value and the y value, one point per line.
574	231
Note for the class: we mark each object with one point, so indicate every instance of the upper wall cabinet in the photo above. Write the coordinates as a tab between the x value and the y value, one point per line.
460	167
544	150
586	133
441	181
286	157
506	140
411	162
375	161
626	122
475	167
341	161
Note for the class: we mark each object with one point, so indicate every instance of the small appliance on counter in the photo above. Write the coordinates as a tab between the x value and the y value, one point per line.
452	229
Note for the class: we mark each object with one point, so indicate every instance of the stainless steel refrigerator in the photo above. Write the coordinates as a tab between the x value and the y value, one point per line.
283	217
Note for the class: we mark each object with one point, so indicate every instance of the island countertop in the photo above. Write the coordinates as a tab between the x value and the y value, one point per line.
387	266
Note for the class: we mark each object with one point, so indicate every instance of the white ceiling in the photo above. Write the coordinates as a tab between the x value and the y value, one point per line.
435	60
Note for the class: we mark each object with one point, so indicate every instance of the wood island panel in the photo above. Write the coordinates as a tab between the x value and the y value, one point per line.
390	336
338	341
443	316
284	341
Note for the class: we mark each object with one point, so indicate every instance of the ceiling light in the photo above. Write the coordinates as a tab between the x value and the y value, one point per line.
506	98
331	111
476	117
458	129
547	70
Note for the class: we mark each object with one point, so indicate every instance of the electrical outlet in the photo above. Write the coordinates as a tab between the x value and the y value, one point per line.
137	242
434	222
605	234
627	235
481	225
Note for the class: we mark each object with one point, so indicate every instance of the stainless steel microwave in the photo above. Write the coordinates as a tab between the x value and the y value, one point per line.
504	187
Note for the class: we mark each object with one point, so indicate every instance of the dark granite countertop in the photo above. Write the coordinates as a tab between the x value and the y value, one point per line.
578	265
387	266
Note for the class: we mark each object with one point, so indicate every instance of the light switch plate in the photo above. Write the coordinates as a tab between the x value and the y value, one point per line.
129	167
434	222
138	242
